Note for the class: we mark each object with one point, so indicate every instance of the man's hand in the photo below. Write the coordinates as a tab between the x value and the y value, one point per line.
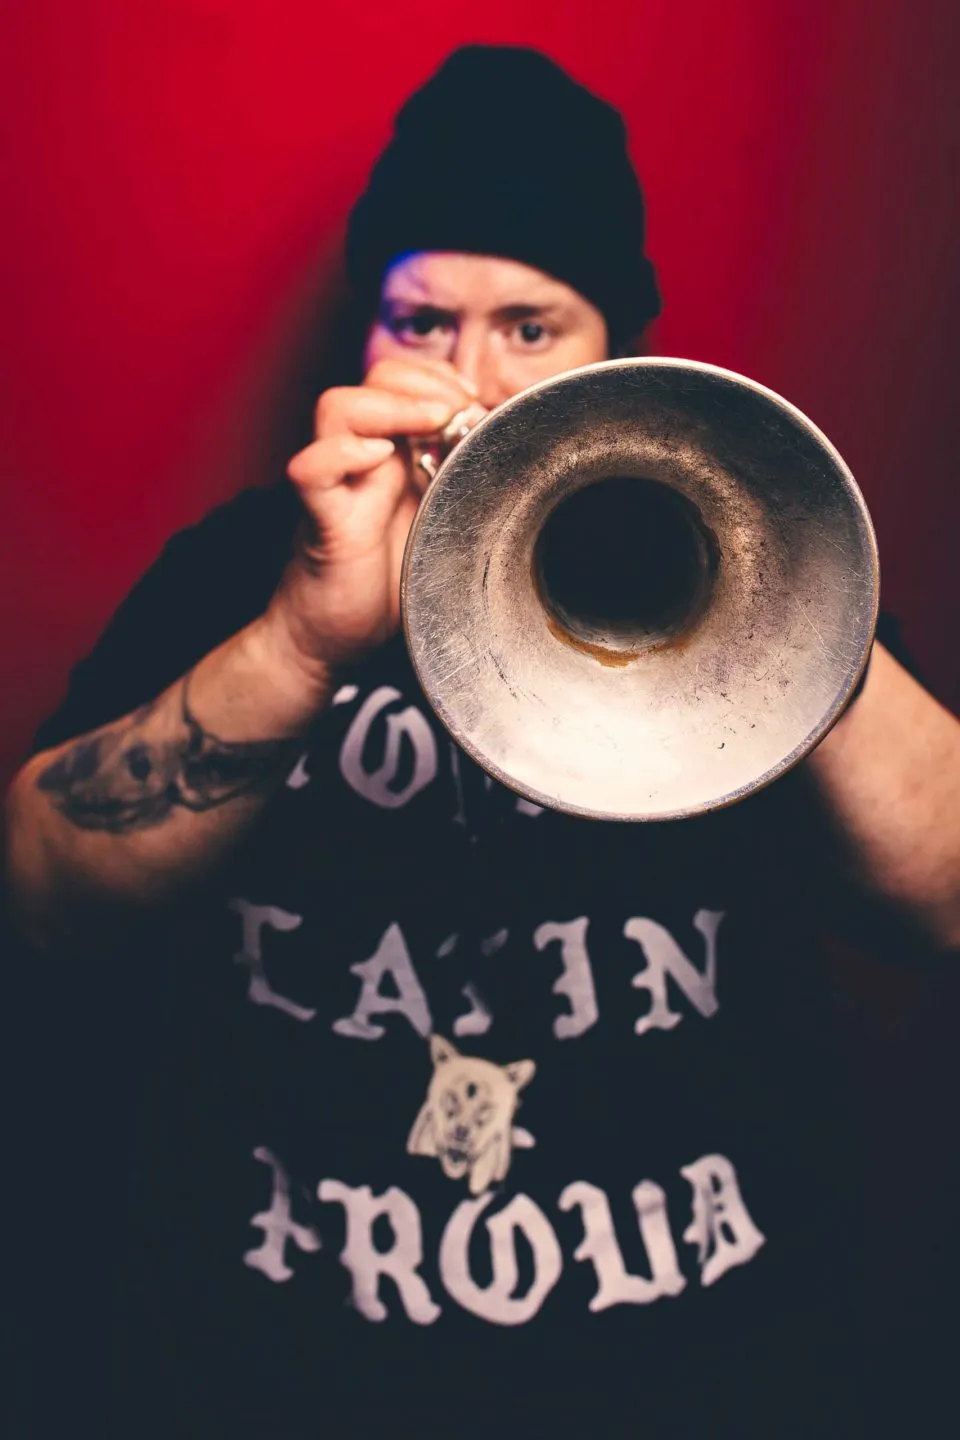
340	595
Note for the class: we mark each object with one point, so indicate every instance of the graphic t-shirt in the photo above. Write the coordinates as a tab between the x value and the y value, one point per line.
464	1113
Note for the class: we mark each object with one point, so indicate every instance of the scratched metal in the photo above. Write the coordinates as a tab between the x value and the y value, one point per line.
601	725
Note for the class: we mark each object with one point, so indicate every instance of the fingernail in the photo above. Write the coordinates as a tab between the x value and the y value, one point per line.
437	412
375	449
469	386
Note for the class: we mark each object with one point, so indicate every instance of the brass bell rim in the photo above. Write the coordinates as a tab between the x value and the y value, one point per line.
650	366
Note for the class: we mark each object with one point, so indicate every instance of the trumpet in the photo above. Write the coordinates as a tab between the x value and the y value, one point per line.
427	453
641	590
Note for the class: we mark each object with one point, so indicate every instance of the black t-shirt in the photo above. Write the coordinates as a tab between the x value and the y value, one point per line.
444	1111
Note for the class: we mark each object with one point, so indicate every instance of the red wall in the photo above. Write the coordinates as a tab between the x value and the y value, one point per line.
174	177
175	174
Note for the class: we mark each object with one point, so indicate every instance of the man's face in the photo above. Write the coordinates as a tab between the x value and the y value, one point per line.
502	324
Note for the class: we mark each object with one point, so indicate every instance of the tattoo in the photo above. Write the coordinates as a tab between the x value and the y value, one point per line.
121	779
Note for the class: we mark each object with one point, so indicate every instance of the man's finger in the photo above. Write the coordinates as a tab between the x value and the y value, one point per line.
438	381
327	462
364	411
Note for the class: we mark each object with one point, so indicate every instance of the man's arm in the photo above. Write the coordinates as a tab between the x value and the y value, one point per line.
141	812
889	775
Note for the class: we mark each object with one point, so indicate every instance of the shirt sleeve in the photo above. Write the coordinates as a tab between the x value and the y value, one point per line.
208	582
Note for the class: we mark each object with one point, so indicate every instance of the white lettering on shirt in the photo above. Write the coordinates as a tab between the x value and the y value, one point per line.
253	918
615	1286
721	1228
390	958
376	785
496	1302
475	1021
300	775
278	1226
366	1263
576	980
664	957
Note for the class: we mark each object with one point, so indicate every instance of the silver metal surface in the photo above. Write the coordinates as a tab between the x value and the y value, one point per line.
707	690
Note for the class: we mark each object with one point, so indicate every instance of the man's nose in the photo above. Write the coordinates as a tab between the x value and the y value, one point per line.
475	362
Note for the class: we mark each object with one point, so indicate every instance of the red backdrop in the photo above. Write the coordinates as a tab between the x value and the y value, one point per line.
175	177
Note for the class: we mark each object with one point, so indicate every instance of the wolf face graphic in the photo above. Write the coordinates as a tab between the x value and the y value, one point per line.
466	1121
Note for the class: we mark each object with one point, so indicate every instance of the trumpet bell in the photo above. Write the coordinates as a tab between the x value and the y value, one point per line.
641	590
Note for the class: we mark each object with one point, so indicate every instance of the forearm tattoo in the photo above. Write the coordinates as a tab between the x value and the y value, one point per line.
124	778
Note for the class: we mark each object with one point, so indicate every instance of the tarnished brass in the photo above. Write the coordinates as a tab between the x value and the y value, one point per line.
641	590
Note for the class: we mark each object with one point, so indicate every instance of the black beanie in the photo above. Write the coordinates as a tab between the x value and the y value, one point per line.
501	153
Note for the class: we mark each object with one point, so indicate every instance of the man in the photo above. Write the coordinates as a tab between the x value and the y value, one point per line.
461	1113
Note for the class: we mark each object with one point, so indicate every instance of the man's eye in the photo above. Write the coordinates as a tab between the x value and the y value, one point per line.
417	327
531	332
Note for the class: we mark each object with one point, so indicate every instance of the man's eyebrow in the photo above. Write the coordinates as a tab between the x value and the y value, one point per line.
529	311
392	303
515	312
